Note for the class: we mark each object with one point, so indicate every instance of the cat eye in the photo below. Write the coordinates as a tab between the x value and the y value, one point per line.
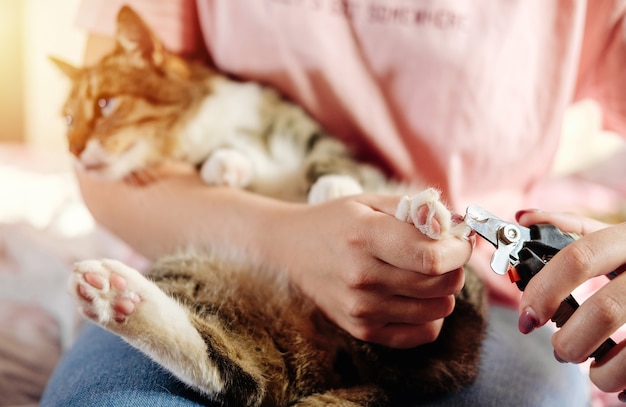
69	120
106	105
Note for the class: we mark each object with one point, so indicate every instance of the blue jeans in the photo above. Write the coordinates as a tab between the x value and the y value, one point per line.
516	370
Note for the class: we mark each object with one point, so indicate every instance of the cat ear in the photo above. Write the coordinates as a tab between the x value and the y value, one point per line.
134	35
69	70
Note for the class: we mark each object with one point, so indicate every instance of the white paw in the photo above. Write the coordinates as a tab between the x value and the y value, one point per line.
227	168
103	290
333	186
428	214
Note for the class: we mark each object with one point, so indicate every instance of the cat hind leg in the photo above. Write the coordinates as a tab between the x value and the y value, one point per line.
123	301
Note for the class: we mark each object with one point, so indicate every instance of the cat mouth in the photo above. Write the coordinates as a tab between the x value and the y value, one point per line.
104	169
98	169
94	167
97	161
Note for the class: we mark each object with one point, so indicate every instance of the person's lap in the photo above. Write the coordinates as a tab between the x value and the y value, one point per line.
520	370
101	369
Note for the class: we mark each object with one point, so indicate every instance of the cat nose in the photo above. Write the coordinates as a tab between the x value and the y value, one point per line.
77	141
76	148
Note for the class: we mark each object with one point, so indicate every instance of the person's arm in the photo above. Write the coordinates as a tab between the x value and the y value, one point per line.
378	278
600	251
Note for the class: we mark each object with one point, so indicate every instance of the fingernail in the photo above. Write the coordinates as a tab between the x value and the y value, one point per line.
519	214
528	321
559	358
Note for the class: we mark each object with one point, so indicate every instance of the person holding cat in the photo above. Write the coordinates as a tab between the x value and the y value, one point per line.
433	113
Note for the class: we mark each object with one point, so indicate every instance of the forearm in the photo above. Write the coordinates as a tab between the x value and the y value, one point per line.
180	211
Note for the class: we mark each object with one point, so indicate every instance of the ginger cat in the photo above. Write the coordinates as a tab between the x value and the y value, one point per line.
233	330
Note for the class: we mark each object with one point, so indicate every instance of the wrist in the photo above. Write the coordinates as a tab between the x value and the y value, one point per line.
276	236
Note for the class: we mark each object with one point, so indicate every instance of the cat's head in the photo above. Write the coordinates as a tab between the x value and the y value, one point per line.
122	113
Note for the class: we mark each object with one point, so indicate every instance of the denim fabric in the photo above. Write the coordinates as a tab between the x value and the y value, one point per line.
103	370
520	370
516	370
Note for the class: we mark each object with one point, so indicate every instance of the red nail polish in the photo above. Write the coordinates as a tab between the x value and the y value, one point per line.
527	321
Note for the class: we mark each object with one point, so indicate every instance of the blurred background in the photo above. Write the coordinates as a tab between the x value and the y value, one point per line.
32	89
44	226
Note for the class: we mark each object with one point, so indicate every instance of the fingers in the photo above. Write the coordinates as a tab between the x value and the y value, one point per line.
371	312
389	280
597	254
566	222
390	284
600	251
416	285
403	336
418	276
609	374
395	321
403	246
594	321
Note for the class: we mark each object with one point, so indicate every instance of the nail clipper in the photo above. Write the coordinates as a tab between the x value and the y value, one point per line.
522	252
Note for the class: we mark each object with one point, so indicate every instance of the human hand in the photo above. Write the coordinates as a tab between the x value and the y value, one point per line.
378	278
599	251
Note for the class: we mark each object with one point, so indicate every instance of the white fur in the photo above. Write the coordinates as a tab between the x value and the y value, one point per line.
101	164
227	167
226	114
231	115
159	326
333	186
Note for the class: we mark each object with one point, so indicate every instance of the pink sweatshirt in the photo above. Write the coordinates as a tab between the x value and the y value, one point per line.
467	96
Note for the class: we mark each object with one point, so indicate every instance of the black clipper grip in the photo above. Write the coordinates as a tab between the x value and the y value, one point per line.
546	241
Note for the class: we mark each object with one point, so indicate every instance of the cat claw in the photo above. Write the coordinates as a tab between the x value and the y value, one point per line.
102	291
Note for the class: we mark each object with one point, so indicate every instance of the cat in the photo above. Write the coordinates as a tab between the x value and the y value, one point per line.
242	134
230	328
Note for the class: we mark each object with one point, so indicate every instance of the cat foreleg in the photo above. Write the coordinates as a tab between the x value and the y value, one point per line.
426	211
123	301
227	167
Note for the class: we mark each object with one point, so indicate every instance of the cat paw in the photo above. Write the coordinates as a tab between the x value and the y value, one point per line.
103	290
426	211
227	167
333	186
